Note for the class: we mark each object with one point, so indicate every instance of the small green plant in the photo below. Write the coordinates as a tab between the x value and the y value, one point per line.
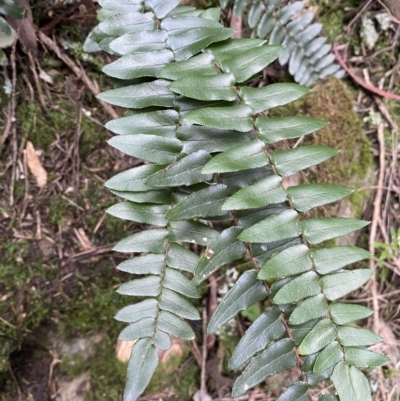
210	154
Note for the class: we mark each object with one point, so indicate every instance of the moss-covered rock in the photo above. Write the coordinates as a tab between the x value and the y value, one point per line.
352	166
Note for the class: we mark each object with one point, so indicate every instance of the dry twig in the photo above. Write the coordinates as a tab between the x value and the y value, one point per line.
376	218
371	88
79	72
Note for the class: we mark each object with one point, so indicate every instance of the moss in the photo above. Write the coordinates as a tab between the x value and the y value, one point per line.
75	47
179	374
93	306
19	189
51	176
333	24
334	15
3	99
332	101
228	339
57	210
22	306
91	309
73	365
107	373
73	38
116	228
41	126
93	137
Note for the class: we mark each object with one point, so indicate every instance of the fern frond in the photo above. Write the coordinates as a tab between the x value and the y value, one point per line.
198	129
306	51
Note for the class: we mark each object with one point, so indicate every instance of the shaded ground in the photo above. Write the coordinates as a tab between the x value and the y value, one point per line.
57	271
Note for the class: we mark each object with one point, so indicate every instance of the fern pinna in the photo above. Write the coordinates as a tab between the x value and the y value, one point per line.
209	155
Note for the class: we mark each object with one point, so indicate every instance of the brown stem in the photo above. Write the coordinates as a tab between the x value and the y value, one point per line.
371	88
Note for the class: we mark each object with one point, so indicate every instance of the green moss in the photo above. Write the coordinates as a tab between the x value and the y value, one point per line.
52	175
107	373
116	228
228	339
93	306
3	99
41	126
75	47
57	210
73	39
93	137
91	311
19	189
183	382
332	101
334	15
333	24
73	365
22	306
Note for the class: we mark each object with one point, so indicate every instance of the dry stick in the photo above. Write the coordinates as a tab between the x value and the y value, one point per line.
16	384
393	165
26	192
389	12
372	238
203	387
236	23
212	306
89	253
375	220
11	104
37	81
77	71
363	8
382	108
356	78
13	125
7	127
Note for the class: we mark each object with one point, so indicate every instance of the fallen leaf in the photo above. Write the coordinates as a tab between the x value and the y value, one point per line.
124	349
176	351
35	166
201	395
